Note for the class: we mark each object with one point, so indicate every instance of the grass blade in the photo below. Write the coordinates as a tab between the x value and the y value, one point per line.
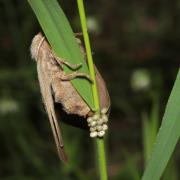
167	137
61	38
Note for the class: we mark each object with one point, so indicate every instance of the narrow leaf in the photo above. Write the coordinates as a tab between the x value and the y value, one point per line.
167	137
61	38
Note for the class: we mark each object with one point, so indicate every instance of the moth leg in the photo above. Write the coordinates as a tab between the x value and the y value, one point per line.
71	76
61	61
82	48
72	66
78	34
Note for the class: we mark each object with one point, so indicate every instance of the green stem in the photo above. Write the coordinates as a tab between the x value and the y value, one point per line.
101	159
89	54
99	142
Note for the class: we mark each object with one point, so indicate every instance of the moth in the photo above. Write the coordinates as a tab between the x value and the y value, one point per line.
57	89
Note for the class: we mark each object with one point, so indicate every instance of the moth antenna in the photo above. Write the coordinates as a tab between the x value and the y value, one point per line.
46	92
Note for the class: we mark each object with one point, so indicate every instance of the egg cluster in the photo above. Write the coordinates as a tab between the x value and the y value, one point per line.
98	123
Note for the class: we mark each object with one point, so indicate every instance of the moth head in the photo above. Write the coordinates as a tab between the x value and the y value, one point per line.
36	45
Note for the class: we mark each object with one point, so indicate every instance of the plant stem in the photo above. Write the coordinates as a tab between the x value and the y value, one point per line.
101	159
99	142
89	54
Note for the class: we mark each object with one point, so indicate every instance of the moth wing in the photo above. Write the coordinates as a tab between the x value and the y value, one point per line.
45	86
105	101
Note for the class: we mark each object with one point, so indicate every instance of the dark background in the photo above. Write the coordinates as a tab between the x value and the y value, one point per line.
136	48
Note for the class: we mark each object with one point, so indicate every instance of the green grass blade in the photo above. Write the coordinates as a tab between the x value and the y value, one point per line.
167	137
61	38
150	128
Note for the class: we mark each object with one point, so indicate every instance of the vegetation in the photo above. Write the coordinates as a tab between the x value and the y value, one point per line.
136	49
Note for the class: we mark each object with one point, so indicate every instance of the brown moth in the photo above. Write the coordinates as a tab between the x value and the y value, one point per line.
56	88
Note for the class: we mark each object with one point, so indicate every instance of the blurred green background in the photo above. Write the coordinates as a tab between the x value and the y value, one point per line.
136	48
